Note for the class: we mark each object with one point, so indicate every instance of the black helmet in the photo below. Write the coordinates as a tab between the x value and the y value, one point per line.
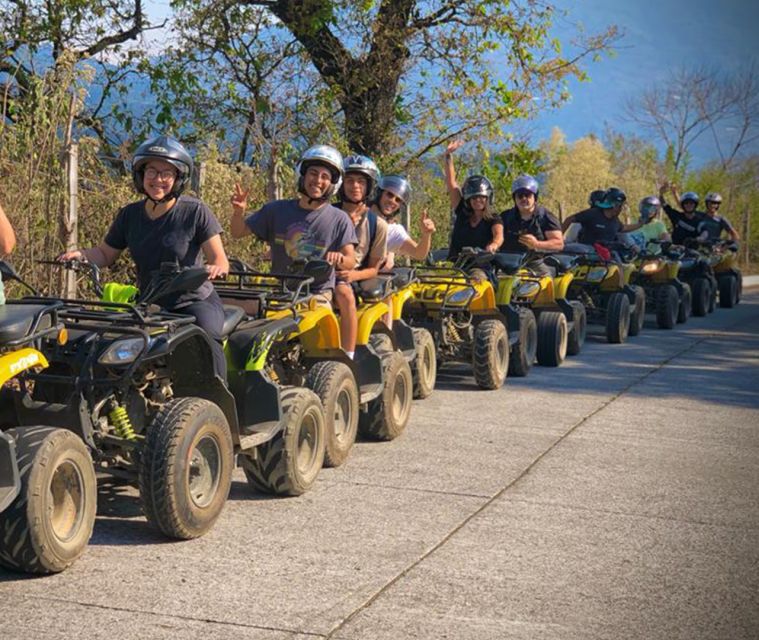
614	195
689	196
169	150
477	186
367	168
596	197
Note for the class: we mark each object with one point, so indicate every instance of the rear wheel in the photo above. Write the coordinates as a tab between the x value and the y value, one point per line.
524	351
728	291
386	416
490	354
186	467
617	318
740	288
701	296
686	303
667	302
335	385
289	464
47	527
552	338
424	365
579	328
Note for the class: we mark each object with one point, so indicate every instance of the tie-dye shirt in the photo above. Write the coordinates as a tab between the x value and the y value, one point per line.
297	233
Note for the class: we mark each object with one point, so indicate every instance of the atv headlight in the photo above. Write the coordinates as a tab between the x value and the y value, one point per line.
651	267
122	351
596	274
460	297
528	289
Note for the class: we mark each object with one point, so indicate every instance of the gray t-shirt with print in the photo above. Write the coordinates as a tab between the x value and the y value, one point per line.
297	233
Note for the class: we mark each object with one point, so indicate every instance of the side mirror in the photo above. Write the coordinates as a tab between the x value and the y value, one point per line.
8	272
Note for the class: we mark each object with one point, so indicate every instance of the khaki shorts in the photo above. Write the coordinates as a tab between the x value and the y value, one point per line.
322	299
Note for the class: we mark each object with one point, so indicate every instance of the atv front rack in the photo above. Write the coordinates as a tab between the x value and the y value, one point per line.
272	291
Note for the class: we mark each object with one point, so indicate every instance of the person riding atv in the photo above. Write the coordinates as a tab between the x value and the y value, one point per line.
600	224
528	226
475	223
684	223
167	226
711	226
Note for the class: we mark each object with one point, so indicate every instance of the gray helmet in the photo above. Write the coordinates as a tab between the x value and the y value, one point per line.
324	156
525	182
596	197
689	195
397	185
713	196
648	206
367	168
169	150
477	186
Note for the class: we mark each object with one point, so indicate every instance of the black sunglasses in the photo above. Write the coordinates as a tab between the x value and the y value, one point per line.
523	194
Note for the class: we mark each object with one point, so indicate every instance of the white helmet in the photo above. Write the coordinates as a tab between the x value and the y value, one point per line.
325	156
713	196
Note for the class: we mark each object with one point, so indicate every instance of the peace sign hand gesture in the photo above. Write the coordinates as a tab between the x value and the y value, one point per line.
239	199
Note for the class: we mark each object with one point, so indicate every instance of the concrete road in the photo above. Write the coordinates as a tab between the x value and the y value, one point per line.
615	497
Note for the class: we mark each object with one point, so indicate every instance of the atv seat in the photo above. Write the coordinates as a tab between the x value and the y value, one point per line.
251	334
562	262
402	276
509	262
232	317
16	320
373	288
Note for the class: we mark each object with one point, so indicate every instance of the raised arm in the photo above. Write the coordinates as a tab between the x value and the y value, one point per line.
7	235
239	203
454	191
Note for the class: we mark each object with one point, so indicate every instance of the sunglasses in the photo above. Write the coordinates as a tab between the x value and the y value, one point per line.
523	194
713	204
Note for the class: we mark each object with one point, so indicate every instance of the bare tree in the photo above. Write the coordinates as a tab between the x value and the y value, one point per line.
692	102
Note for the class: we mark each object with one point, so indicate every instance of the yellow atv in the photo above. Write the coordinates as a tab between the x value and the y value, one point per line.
456	304
657	274
552	326
729	276
48	489
603	286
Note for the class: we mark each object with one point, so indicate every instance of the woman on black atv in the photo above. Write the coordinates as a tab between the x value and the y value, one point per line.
167	226
476	224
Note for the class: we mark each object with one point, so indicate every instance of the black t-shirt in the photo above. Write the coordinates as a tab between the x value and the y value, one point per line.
682	226
597	227
465	235
174	237
537	224
714	225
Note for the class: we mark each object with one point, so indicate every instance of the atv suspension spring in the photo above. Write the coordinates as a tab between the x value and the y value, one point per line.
122	423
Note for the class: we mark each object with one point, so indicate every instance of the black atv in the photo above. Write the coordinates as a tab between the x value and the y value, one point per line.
138	386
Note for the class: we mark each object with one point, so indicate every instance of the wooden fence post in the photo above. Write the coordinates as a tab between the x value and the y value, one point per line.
71	222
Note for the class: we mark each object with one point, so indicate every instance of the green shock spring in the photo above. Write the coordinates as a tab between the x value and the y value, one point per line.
121	423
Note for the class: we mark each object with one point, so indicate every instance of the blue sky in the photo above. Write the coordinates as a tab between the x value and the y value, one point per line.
658	35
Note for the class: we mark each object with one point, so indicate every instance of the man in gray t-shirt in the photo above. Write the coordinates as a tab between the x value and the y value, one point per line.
307	227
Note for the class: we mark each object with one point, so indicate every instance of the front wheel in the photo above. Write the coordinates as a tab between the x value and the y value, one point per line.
289	463
424	365
617	318
667	302
552	338
48	525
701	295
186	467
686	302
576	338
524	351
728	291
490	354
336	387
386	417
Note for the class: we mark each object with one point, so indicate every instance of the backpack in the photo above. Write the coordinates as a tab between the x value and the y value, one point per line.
372	217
